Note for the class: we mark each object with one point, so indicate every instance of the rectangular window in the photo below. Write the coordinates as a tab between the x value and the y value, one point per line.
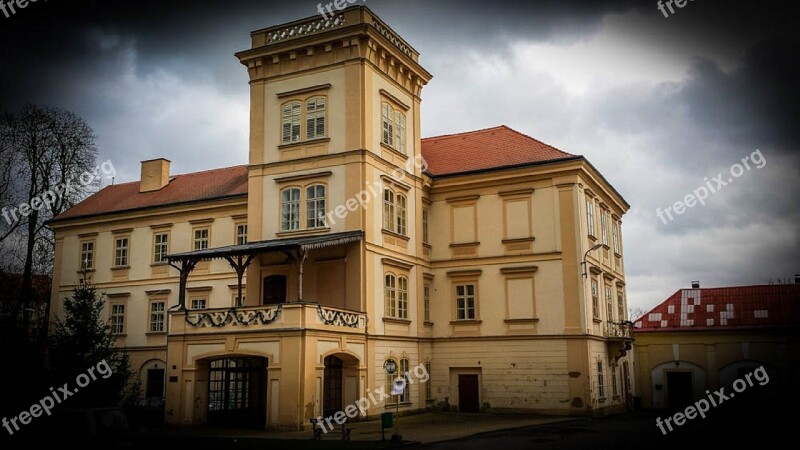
604	227
429	383
315	206
426	294
615	232
400	210
388	124
595	300
402	298
199	303
590	216
241	234
620	307
609	304
200	239
601	388
400	132
390	295
121	252
117	319
157	317
465	302
161	248
315	118
87	255
425	237
388	210
614	389
404	398
290	121
290	209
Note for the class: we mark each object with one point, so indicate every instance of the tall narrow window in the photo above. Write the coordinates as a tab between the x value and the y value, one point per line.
388	124
388	210
614	389
390	295
428	384
590	216
290	209
400	211
161	248
465	302
615	232
117	319
315	118
406	395
87	255
315	206
201	239
121	252
400	132
402	298
604	227
609	304
290	120
425	237
601	387
595	300
157	317
241	234
426	298
620	307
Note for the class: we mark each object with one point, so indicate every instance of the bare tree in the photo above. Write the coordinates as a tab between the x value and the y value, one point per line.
53	147
635	314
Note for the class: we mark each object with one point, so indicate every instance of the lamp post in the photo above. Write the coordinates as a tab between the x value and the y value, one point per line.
583	261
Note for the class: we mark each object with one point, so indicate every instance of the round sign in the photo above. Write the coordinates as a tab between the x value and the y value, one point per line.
390	366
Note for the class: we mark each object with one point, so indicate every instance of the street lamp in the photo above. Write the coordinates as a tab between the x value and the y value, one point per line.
583	262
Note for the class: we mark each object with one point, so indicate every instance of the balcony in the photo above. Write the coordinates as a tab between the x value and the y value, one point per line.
620	338
287	316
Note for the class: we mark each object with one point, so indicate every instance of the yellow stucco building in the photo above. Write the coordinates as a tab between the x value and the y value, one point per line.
273	293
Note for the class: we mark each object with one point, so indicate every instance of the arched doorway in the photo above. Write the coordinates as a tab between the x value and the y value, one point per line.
237	392
333	386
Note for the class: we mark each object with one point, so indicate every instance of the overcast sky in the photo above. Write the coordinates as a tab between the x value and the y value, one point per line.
656	104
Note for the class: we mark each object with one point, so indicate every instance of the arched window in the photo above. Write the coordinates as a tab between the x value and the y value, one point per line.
290	122
290	209
315	206
394	127
400	212
400	132
315	118
390	295
387	113
388	210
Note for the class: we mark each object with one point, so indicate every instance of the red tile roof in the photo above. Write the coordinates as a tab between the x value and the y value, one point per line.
191	187
445	155
725	308
485	149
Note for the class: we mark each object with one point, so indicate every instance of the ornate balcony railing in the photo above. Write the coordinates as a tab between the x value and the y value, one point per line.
233	316
619	330
330	316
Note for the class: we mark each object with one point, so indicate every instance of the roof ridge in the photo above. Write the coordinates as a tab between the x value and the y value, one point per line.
537	140
465	133
209	170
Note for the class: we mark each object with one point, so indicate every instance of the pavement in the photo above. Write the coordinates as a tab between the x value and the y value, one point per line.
420	428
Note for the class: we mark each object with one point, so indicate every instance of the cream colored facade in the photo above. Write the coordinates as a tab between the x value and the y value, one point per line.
508	242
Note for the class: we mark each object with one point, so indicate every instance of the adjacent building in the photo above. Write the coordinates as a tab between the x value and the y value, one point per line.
274	292
706	338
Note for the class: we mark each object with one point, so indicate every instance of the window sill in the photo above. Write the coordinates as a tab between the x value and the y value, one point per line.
397	320
602	400
393	150
395	234
465	244
159	264
304	232
518	240
428	323
302	143
87	271
618	255
156	333
592	237
120	267
394	405
427	245
525	320
466	322
596	320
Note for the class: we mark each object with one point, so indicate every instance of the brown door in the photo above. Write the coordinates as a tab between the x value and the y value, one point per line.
274	290
468	397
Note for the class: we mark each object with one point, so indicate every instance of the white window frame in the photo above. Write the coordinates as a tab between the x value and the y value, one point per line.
157	320
390	294
87	255
291	115
316	202
241	233
316	108
466	301
122	251
402	297
201	238
117	319
160	248
290	208
198	303
590	216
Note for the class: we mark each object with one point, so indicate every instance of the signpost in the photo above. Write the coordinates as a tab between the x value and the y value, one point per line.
398	385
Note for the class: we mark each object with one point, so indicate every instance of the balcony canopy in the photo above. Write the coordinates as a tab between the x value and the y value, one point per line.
254	248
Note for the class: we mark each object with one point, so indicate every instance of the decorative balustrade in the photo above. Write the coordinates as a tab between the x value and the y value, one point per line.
233	316
330	316
619	330
303	29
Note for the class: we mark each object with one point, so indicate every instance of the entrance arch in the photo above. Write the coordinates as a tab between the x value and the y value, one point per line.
339	382
237	392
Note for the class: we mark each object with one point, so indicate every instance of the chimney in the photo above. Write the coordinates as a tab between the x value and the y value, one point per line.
695	285
155	175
